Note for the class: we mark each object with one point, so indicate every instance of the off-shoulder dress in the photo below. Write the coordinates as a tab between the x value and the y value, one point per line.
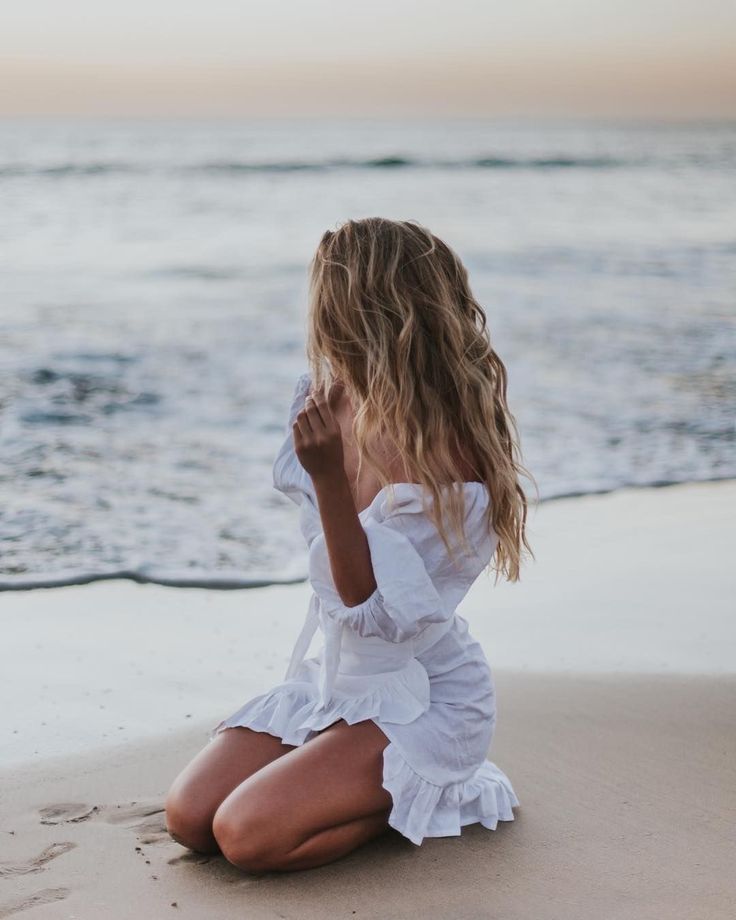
403	657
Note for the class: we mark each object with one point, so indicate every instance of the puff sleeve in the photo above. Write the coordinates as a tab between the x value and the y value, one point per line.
405	548
288	474
301	388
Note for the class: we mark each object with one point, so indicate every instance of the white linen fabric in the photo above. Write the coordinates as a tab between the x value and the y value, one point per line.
403	657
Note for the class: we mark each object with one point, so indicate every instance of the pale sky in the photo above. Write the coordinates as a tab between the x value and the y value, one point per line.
650	58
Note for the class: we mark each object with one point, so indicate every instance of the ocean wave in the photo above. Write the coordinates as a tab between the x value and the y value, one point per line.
389	162
64	170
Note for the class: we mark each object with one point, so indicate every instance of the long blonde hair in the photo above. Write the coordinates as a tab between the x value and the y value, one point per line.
392	316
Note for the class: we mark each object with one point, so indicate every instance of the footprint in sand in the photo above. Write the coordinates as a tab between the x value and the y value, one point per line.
66	813
199	859
146	818
47	896
37	863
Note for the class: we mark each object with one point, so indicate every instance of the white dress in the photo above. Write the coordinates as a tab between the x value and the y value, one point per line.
403	658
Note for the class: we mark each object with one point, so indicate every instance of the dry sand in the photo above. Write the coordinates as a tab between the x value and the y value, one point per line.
627	780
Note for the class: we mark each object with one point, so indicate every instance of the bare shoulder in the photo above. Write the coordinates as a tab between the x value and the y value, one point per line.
397	466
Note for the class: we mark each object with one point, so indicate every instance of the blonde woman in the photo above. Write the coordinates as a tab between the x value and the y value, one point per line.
402	455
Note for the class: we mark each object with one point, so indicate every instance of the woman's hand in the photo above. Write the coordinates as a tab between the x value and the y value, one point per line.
318	445
318	438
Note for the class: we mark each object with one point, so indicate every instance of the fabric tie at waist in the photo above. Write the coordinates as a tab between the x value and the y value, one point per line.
333	632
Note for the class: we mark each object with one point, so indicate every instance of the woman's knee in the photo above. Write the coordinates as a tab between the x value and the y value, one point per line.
188	822
248	838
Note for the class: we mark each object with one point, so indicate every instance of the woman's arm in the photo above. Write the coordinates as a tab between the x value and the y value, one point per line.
318	445
347	544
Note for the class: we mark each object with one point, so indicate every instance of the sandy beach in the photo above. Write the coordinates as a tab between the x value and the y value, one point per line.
615	665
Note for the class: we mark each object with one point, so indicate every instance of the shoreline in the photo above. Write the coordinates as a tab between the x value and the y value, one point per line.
234	581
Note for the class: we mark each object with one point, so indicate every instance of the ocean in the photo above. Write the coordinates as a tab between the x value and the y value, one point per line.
153	303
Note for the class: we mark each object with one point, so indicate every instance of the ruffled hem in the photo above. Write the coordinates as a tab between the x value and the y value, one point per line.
288	715
420	808
423	809
292	711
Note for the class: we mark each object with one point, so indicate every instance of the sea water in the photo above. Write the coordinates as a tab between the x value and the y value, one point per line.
153	303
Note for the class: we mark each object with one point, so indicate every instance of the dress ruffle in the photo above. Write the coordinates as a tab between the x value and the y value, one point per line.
423	809
293	711
420	808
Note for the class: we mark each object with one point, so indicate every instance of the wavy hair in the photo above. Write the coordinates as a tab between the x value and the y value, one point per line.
392	316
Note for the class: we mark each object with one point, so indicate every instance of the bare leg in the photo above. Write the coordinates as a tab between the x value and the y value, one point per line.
197	792
311	806
329	845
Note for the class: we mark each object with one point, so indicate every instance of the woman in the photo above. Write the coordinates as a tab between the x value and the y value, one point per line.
403	458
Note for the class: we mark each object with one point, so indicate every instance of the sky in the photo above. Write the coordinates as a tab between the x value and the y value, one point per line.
406	58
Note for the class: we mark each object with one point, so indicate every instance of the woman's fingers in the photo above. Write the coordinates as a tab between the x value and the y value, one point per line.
309	422
302	425
320	412
296	433
304	422
317	437
314	419
313	408
327	407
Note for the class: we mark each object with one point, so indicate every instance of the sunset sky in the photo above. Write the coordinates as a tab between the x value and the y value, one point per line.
649	58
